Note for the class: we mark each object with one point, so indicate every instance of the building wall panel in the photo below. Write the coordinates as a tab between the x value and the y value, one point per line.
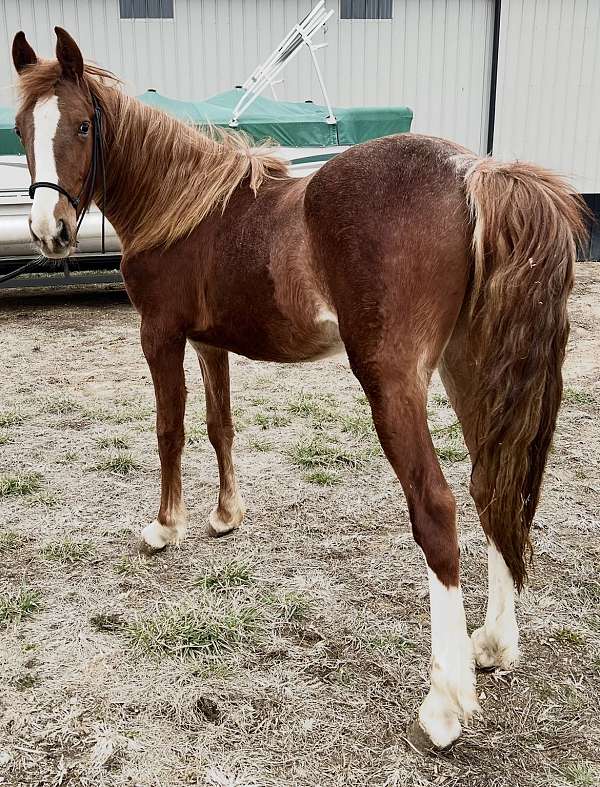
548	75
433	55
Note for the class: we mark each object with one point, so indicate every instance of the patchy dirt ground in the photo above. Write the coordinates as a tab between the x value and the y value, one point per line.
294	652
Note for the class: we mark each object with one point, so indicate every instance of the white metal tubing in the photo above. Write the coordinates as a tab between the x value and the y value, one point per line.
264	75
293	39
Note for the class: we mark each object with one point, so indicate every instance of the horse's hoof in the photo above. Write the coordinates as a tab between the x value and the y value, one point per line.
420	740
499	649
155	537
218	527
147	550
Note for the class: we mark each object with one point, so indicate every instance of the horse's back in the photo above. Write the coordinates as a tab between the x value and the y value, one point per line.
389	183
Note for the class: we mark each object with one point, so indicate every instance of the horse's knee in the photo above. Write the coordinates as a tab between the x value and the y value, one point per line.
220	434
433	519
170	441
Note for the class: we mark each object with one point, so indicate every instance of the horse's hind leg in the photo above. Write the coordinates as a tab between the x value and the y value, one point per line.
214	364
164	353
397	392
496	643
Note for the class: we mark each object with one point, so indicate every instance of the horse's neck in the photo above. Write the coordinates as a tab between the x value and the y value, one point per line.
115	188
163	178
141	184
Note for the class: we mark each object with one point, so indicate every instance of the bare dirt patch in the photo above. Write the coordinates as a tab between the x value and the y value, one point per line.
294	652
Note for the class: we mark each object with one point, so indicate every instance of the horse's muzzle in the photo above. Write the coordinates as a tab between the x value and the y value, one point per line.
57	245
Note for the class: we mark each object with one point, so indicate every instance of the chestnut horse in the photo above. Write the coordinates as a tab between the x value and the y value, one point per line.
408	252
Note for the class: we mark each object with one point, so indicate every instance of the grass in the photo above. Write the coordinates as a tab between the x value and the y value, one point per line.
240	421
10	541
113	442
197	434
235	574
389	644
19	484
119	464
451	453
10	418
262	401
131	566
60	405
453	430
5	439
271	420
45	497
68	551
359	424
18	604
291	606
27	681
108	621
260	444
201	629
441	400
126	413
569	637
322	477
316	452
578	396
132	411
68	458
590	588
320	409
579	774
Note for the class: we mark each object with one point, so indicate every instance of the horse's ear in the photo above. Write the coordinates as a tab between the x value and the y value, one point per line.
68	55
22	53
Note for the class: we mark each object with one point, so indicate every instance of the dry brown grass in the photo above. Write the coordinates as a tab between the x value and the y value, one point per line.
293	653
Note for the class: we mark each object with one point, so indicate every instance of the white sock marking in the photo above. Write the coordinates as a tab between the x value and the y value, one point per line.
46	116
452	692
496	643
158	536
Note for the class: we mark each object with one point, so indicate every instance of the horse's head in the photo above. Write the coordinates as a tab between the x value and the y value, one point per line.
55	124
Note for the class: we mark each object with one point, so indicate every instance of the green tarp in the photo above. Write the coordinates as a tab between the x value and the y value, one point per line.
286	123
9	141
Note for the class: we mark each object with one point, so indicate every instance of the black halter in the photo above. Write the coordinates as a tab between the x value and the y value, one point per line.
87	190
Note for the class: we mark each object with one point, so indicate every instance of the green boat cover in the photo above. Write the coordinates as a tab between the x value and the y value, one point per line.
286	123
10	144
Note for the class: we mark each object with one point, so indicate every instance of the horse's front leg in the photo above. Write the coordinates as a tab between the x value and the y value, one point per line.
214	363
164	353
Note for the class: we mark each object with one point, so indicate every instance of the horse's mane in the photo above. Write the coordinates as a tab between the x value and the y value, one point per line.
164	176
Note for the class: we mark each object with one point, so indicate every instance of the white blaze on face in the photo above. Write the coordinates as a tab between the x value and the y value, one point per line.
45	122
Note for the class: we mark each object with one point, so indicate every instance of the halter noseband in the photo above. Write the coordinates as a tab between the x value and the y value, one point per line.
87	190
45	184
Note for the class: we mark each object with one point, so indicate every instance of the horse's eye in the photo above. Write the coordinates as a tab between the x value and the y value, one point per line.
84	128
17	132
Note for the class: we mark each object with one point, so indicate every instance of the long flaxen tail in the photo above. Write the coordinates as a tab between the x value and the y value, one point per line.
526	226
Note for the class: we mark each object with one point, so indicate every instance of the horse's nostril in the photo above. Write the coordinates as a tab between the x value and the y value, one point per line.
63	232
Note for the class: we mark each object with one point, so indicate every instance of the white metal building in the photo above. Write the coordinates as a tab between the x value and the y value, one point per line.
434	55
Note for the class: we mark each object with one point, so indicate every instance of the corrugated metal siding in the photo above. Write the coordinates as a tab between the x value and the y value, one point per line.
433	55
547	107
